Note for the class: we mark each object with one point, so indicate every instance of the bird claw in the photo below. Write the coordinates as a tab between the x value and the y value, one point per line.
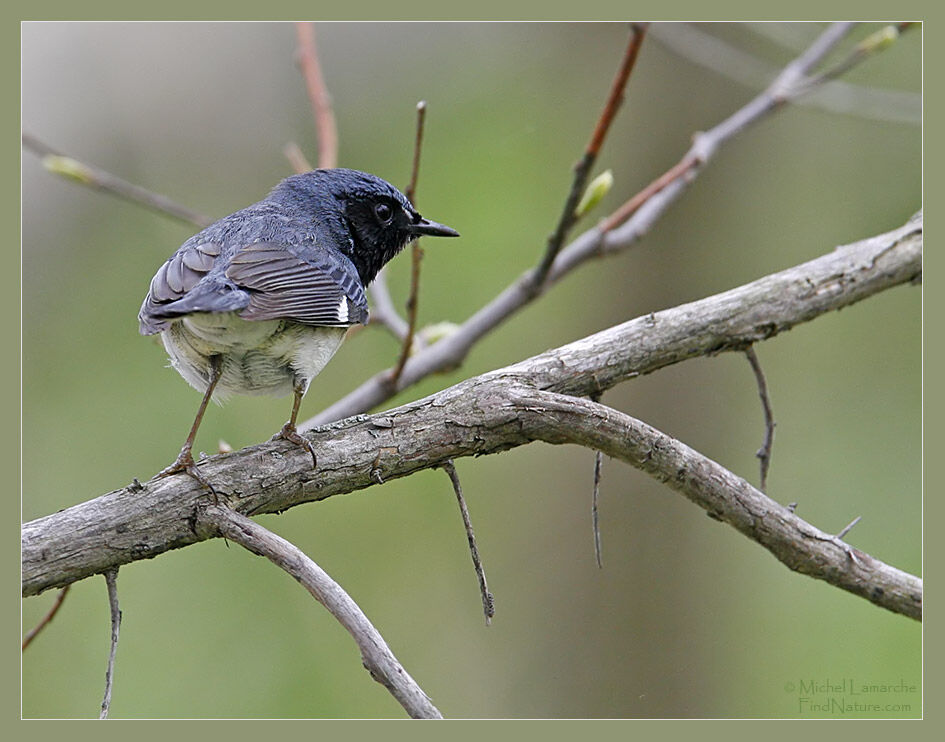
185	464
291	434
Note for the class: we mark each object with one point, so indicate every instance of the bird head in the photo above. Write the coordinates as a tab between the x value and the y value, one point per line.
369	218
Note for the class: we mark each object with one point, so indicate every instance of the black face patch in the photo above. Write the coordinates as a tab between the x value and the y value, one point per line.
380	228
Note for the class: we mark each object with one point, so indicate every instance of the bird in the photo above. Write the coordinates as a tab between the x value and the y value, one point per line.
259	301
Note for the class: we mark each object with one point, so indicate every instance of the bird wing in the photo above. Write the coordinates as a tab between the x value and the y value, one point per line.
182	286
262	281
313	290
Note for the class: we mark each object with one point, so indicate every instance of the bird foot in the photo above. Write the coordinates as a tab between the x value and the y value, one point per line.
290	433
185	463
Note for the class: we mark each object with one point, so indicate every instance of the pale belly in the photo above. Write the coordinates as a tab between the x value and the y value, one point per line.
265	357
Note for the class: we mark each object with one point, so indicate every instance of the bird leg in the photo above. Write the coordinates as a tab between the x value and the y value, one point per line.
185	459
290	433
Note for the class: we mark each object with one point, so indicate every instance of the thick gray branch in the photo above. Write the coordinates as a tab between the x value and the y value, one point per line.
474	417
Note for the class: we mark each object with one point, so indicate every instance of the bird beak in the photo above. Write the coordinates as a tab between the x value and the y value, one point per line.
425	226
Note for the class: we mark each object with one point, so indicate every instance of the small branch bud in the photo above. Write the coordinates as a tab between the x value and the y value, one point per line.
595	191
68	168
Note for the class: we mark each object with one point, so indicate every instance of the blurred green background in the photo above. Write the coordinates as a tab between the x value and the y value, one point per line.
687	618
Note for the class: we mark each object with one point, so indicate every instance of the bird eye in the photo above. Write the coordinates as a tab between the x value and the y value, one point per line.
384	213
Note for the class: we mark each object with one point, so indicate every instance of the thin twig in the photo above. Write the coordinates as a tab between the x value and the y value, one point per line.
595	520
488	601
111	580
94	177
411	191
416	254
763	453
849	526
582	168
383	311
317	94
416	258
375	654
813	55
628	208
595	494
297	159
872	44
50	615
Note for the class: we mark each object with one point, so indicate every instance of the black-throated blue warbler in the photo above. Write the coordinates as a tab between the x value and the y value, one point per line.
258	302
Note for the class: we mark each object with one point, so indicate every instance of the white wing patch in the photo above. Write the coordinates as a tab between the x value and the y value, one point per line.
343	309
